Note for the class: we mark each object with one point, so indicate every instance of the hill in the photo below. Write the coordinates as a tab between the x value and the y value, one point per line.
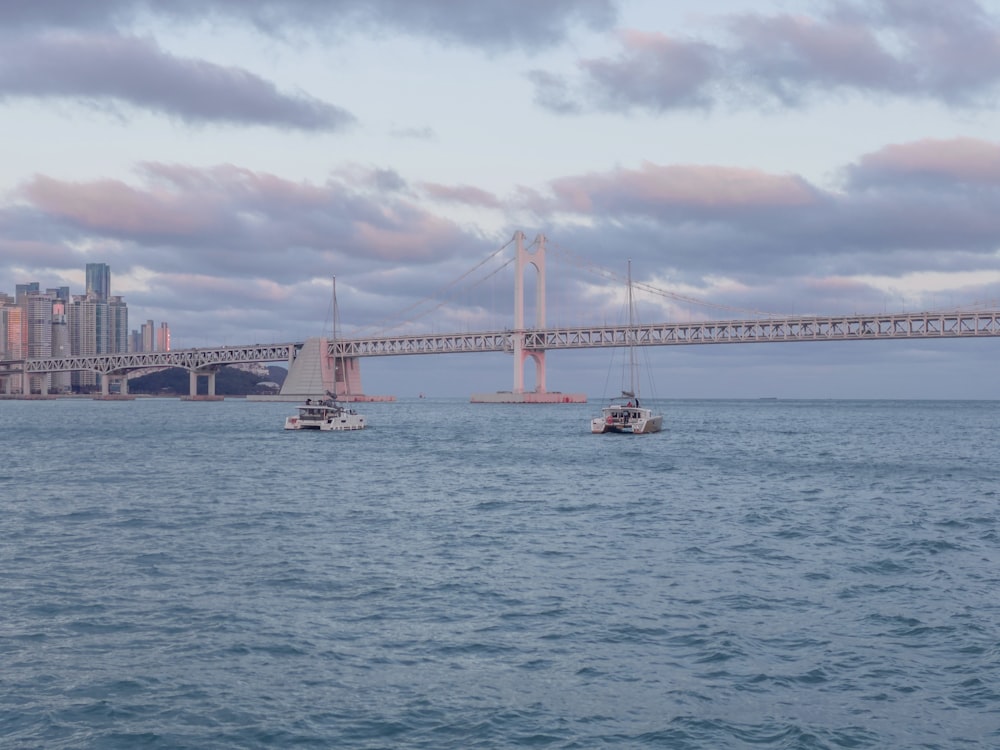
229	381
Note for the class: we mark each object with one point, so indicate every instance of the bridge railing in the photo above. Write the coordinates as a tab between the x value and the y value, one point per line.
923	325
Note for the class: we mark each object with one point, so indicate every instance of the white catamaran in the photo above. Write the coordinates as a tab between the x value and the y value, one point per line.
625	414
327	414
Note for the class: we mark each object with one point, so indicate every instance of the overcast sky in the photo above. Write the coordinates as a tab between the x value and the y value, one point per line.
228	157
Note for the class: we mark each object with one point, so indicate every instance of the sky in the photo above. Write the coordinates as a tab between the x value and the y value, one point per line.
227	158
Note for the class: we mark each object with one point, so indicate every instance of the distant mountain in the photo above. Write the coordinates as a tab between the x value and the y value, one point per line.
228	382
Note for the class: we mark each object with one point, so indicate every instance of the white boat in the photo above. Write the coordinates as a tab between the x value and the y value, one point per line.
625	413
325	415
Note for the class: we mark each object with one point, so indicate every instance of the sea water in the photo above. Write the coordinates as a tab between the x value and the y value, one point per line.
766	574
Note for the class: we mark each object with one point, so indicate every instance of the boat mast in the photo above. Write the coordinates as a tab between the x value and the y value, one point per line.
633	380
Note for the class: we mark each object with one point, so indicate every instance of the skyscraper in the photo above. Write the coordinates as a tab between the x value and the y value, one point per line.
148	336
163	337
61	381
117	325
39	309
99	280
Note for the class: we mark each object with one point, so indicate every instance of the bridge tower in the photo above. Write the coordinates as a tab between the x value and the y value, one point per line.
521	354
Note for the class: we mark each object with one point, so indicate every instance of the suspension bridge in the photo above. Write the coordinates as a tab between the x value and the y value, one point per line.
332	364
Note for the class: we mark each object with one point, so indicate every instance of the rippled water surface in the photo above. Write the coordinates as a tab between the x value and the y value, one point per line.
767	574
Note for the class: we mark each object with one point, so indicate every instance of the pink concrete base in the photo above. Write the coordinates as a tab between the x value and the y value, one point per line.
507	397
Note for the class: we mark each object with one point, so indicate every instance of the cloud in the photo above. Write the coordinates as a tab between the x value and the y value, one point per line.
494	24
137	72
652	71
932	161
238	222
464	194
914	49
654	189
705	220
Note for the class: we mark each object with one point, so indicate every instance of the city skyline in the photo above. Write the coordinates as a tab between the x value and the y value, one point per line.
799	158
55	322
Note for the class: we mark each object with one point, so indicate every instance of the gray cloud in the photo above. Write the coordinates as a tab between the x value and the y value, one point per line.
137	72
923	207
946	52
497	24
239	223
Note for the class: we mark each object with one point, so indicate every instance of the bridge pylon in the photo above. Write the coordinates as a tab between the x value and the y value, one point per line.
522	353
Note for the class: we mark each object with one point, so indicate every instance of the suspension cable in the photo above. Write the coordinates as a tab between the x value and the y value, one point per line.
395	319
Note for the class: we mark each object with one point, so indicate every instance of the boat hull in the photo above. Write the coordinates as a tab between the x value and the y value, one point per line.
626	420
325	418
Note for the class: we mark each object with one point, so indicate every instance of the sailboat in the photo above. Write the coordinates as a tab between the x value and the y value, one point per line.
327	414
625	414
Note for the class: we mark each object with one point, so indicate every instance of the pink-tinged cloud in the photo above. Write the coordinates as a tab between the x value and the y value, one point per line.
135	71
114	208
229	185
237	221
464	194
963	160
422	238
654	188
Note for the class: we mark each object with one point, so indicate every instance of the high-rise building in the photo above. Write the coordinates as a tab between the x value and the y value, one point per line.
163	338
12	341
61	381
117	325
87	316
23	290
39	310
148	337
5	311
14	330
99	280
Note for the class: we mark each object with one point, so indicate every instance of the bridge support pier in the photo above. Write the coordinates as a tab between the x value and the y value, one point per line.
107	395
193	386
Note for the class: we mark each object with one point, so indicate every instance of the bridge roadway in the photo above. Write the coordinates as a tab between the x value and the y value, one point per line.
925	325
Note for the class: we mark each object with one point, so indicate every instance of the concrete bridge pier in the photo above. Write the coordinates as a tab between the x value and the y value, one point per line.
106	395
193	387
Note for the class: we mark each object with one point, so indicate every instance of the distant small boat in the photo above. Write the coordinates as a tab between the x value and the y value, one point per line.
326	415
624	414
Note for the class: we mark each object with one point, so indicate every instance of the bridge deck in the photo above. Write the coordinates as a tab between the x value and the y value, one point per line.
957	324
